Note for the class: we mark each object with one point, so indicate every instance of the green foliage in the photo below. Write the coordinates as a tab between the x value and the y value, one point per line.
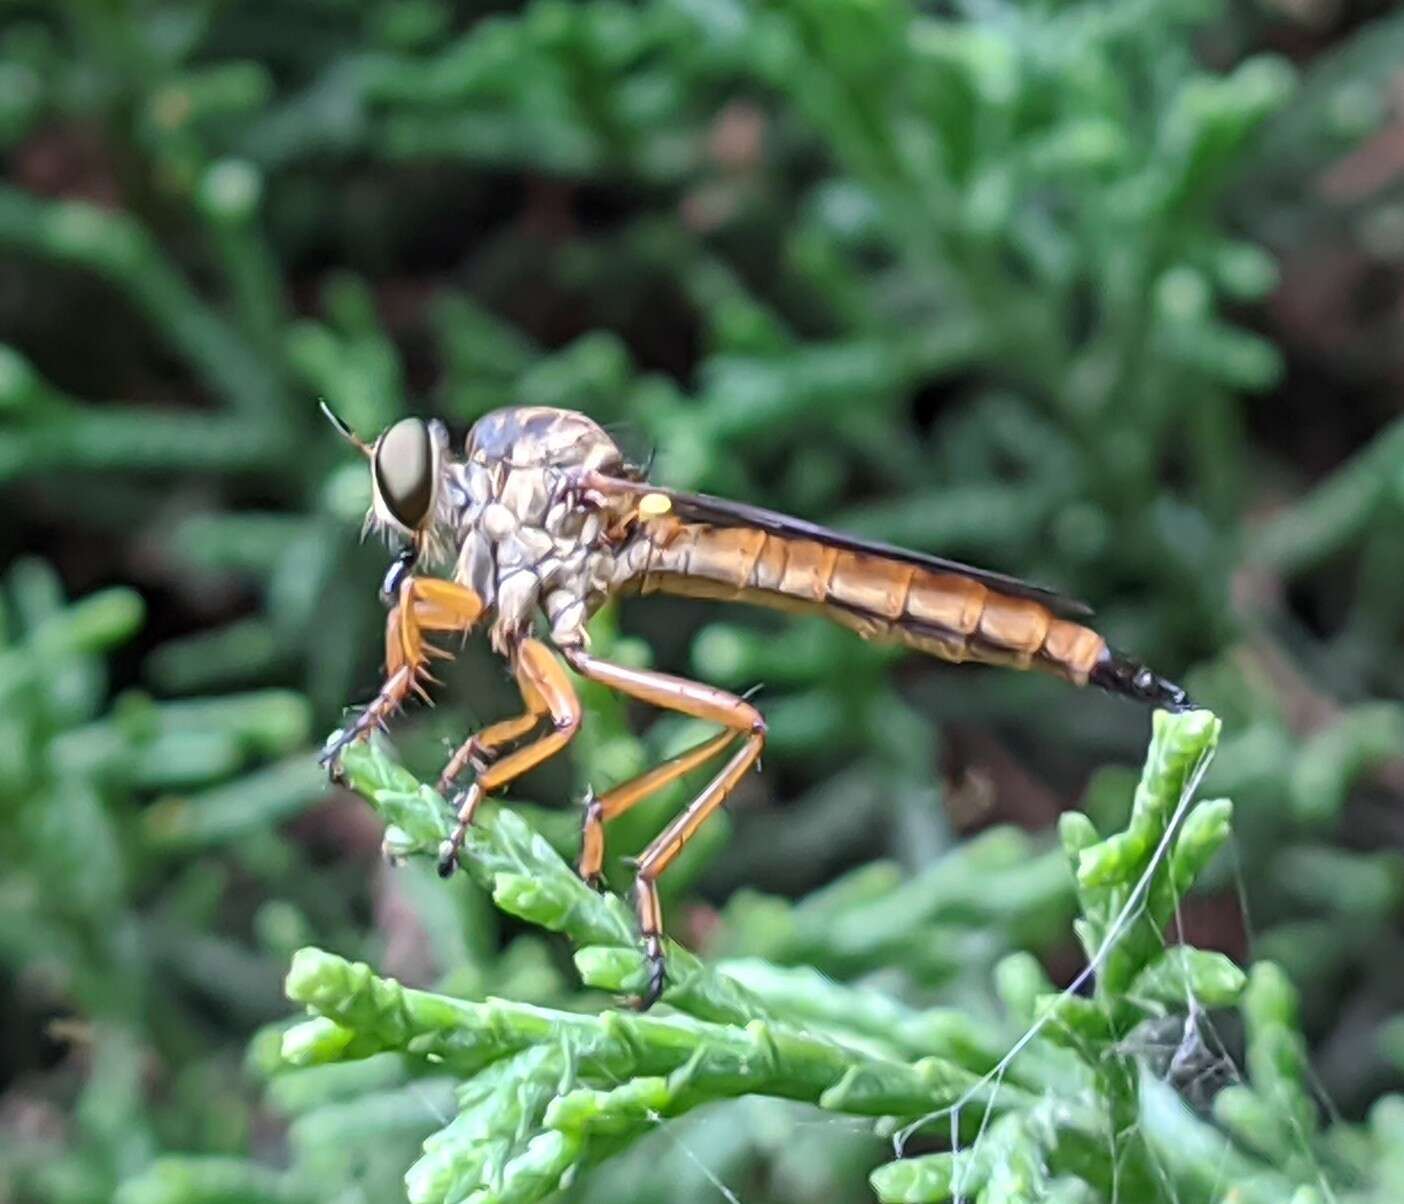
1001	281
112	908
1074	1106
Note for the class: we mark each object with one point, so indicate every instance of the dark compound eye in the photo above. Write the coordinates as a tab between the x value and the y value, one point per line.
404	471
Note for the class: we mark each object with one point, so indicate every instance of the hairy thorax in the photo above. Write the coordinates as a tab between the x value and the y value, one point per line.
525	539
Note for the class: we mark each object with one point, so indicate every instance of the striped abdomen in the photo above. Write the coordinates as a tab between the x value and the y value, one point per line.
946	615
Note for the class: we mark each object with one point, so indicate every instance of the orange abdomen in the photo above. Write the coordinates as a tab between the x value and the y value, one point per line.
943	614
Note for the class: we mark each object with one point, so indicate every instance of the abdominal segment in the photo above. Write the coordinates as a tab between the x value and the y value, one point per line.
945	615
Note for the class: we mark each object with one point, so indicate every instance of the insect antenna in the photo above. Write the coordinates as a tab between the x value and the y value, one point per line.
342	429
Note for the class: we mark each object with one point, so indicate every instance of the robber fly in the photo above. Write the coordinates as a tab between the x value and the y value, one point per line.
543	514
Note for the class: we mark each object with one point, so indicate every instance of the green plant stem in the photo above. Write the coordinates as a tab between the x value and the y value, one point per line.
528	878
723	1060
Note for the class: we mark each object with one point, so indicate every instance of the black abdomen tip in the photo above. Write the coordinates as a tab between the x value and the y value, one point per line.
1120	675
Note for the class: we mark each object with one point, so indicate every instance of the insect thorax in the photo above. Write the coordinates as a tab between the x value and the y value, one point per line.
524	539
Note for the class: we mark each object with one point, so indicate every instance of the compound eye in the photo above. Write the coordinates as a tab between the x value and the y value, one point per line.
404	471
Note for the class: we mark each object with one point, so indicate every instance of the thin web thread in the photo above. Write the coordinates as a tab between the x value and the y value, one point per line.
726	1193
1198	1032
1199	1017
994	1078
1318	1086
1197	1023
1128	914
1125	918
658	1122
1131	912
1190	1035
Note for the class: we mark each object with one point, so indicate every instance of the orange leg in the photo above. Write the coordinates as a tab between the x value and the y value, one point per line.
481	749
702	702
546	690
668	844
598	811
425	604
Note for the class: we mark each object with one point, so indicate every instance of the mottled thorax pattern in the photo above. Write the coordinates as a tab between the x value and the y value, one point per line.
525	540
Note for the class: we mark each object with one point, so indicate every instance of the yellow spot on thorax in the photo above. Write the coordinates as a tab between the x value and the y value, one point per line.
654	505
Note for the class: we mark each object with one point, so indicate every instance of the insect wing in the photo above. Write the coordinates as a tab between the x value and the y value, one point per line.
702	508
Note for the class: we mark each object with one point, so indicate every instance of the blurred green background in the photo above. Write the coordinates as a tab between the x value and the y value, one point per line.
1107	294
